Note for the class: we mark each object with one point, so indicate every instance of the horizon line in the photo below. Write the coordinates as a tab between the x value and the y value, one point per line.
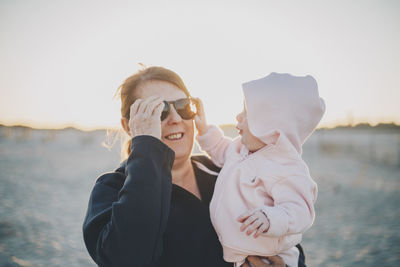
100	128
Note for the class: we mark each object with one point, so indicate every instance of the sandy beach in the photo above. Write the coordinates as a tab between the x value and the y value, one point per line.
46	177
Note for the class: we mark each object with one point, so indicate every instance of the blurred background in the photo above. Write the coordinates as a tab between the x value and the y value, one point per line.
62	62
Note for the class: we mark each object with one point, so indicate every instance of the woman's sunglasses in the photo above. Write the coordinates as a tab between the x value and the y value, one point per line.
185	107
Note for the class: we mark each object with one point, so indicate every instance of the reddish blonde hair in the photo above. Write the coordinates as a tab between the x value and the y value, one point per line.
127	91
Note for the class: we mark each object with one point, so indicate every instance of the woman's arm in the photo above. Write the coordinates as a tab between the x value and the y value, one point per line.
274	261
126	217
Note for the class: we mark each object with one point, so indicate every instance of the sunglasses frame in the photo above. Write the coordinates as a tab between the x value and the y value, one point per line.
181	111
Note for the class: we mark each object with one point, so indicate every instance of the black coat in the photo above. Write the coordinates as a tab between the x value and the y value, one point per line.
136	217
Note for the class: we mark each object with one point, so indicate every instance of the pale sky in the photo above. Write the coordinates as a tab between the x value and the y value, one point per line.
62	61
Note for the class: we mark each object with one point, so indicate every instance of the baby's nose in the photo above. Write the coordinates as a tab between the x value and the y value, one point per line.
239	117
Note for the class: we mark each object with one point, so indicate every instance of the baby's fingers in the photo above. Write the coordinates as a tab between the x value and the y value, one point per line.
263	227
244	216
247	222
253	227
199	106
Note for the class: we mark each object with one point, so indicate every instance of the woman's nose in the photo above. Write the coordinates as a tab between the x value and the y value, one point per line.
173	116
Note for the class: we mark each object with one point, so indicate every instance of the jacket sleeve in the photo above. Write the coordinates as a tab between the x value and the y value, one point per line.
127	214
293	210
215	144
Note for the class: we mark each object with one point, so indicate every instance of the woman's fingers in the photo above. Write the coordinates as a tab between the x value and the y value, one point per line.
158	109
276	261
256	261
142	121
135	107
151	106
145	105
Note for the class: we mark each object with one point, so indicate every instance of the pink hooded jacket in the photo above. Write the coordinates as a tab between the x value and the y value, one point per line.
274	178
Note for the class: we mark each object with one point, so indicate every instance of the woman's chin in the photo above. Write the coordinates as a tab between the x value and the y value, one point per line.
182	147
173	143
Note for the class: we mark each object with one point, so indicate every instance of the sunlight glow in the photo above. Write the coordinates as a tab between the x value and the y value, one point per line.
62	61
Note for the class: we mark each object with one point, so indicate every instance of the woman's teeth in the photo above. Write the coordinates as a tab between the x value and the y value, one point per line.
174	136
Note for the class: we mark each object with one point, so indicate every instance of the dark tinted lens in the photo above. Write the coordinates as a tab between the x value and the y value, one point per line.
165	111
182	106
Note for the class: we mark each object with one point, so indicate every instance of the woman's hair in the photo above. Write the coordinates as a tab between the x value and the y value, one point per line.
128	91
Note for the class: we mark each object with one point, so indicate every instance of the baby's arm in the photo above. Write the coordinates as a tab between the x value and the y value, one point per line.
215	144
293	210
211	138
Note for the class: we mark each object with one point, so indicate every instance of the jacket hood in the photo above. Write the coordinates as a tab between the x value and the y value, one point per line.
283	103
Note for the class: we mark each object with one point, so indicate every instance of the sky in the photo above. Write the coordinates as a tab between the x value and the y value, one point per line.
61	62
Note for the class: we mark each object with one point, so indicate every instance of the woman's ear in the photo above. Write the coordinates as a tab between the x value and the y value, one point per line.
125	125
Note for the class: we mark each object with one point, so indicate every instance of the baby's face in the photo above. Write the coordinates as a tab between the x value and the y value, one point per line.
251	142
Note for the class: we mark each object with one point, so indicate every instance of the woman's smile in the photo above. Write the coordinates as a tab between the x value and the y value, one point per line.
174	136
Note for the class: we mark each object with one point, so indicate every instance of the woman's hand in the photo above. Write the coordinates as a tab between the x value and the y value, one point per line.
275	261
254	220
200	118
145	117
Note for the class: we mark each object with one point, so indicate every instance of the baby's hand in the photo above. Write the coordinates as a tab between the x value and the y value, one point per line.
200	118
254	220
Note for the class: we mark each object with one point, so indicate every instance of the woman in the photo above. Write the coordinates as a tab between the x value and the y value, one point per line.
153	209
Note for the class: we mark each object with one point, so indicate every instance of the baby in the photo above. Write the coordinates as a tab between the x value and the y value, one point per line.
264	186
